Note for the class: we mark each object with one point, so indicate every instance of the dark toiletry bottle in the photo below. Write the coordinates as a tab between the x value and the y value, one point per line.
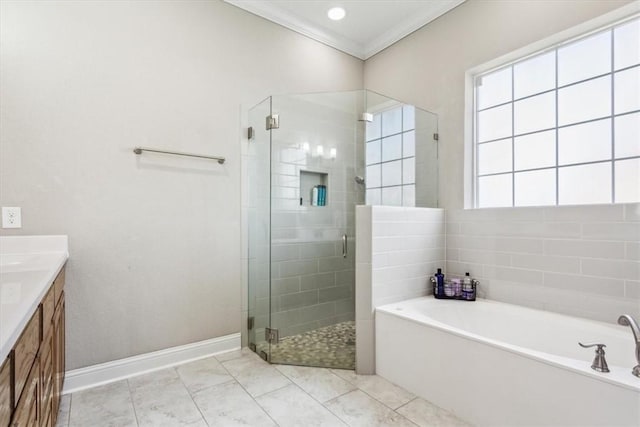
439	283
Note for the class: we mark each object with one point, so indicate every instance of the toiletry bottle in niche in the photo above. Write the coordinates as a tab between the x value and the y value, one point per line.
314	196
439	283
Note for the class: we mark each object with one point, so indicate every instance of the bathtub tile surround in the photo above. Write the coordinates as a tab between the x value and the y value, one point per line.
308	396
397	249
576	260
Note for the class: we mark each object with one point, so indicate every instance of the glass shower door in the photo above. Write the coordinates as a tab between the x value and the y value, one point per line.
314	158
258	206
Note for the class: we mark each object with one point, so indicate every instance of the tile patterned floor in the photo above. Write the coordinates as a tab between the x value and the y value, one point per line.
332	346
240	389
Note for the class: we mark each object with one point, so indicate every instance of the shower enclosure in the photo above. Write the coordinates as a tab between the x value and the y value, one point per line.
311	159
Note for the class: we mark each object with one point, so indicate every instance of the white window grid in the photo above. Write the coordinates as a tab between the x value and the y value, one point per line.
404	131
611	73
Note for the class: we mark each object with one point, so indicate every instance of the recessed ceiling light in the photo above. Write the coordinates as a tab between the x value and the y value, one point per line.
336	13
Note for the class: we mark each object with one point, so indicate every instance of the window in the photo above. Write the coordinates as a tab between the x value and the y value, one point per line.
562	126
390	157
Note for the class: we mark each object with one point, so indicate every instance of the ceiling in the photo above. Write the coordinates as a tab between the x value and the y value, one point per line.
369	26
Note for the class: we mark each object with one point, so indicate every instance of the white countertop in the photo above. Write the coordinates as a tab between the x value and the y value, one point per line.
28	266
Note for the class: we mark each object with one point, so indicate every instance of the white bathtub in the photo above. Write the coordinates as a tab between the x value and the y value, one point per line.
500	364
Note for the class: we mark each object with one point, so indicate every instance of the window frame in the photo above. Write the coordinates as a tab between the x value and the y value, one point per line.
546	45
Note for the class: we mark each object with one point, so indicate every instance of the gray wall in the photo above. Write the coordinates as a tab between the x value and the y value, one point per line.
155	241
552	258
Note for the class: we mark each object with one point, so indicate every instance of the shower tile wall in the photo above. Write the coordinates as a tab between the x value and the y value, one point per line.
398	249
577	260
312	284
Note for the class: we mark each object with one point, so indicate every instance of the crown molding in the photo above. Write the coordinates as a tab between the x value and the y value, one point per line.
276	14
268	11
407	27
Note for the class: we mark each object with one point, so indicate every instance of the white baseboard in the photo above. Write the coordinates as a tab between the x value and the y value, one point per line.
104	373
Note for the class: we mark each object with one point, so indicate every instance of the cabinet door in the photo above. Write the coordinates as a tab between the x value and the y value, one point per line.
5	393
58	357
48	307
46	374
58	285
27	411
24	354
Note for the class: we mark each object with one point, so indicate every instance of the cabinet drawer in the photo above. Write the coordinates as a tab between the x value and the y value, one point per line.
25	353
58	285
5	393
48	307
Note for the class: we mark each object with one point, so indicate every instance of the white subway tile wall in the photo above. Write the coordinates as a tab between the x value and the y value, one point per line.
577	260
397	250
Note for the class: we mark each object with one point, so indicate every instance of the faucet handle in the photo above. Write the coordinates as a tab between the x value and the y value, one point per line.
599	363
592	345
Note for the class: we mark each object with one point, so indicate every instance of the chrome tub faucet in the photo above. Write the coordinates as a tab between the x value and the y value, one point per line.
626	320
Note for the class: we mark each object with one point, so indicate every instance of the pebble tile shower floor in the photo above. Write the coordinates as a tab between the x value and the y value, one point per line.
240	389
332	346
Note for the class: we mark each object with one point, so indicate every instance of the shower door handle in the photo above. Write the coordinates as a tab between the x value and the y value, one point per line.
344	246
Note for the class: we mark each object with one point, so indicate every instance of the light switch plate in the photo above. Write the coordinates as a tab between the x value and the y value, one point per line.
11	217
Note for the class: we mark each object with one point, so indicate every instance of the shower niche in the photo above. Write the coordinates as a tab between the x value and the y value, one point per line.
314	190
304	180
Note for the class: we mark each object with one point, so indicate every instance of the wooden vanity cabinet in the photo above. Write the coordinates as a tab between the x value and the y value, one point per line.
32	376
